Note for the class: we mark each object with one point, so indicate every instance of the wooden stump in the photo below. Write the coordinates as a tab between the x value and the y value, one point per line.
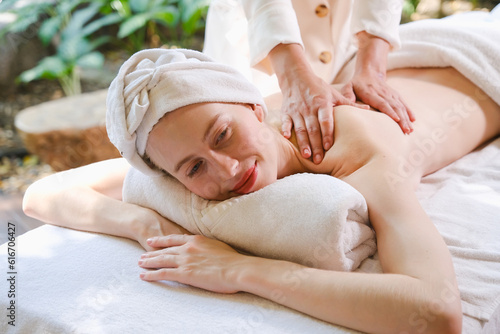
68	132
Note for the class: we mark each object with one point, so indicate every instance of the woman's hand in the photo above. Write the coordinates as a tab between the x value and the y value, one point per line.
151	224
308	101
195	260
371	88
369	82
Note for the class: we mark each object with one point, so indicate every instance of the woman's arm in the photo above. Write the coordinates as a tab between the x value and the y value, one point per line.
89	199
417	292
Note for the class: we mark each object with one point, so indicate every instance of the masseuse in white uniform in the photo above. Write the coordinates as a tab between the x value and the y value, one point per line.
310	44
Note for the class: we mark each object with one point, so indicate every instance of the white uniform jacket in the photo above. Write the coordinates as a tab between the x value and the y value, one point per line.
242	33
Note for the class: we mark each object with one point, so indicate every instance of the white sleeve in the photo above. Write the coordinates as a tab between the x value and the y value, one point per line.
270	22
380	18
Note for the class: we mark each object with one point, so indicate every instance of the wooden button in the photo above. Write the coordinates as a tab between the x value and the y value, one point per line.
321	11
325	57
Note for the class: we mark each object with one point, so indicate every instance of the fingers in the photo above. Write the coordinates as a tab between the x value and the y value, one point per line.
163	260
387	101
348	92
168	240
326	123
164	274
394	108
314	133
286	125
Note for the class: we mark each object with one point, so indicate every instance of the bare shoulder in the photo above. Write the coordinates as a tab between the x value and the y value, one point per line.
360	137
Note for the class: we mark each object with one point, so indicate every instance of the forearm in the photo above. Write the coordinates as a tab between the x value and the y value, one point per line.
372	303
84	209
288	59
372	54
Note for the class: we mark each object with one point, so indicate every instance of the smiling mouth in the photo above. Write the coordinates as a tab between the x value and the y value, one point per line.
247	181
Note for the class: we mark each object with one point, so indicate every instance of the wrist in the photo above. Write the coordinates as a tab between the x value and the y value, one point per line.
372	55
287	59
142	224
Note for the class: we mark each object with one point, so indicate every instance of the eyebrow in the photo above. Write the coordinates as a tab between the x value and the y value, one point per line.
205	138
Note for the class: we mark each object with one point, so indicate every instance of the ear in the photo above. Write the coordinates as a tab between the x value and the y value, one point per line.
258	111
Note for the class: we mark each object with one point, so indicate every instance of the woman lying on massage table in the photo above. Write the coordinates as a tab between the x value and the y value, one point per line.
221	150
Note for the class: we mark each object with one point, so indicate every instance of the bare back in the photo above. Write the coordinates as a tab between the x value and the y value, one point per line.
453	118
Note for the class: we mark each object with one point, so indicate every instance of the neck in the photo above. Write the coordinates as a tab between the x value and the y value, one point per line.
289	159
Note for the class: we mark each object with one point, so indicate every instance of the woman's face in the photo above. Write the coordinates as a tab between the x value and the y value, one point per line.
217	150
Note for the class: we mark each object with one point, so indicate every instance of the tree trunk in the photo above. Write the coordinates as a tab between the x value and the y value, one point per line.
68	132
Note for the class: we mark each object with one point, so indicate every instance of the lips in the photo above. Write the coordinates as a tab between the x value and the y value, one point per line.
247	181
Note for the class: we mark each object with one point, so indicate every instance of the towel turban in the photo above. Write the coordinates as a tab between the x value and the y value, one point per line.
154	82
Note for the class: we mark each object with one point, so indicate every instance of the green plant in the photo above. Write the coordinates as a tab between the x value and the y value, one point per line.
69	26
74	29
147	22
409	7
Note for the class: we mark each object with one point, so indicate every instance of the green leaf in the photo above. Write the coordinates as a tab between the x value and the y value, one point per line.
192	9
48	68
139	6
67	6
132	24
49	28
168	15
121	7
6	5
101	22
23	22
91	60
70	49
79	18
94	44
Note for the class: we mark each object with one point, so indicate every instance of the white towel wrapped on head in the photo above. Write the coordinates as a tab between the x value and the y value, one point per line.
153	82
312	219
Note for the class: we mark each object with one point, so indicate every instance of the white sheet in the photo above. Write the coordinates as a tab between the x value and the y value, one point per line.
78	282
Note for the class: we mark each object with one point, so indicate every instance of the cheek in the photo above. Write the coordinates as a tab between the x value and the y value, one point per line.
203	187
256	137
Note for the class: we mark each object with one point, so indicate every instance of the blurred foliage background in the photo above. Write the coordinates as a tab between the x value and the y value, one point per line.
78	33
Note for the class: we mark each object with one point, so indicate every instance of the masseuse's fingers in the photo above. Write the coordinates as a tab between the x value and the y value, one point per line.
302	136
313	127
393	106
380	96
326	123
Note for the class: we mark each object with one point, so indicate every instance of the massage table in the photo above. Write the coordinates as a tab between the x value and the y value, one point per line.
68	281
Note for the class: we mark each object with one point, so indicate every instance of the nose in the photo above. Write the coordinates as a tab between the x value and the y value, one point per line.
225	166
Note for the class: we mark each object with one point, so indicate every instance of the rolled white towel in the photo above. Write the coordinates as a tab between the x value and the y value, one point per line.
312	219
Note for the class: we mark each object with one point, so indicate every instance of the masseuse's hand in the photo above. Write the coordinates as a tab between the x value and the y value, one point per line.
369	82
308	101
195	260
152	224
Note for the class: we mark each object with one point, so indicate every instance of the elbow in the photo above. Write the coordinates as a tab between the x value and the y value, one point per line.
29	202
450	321
36	198
439	316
